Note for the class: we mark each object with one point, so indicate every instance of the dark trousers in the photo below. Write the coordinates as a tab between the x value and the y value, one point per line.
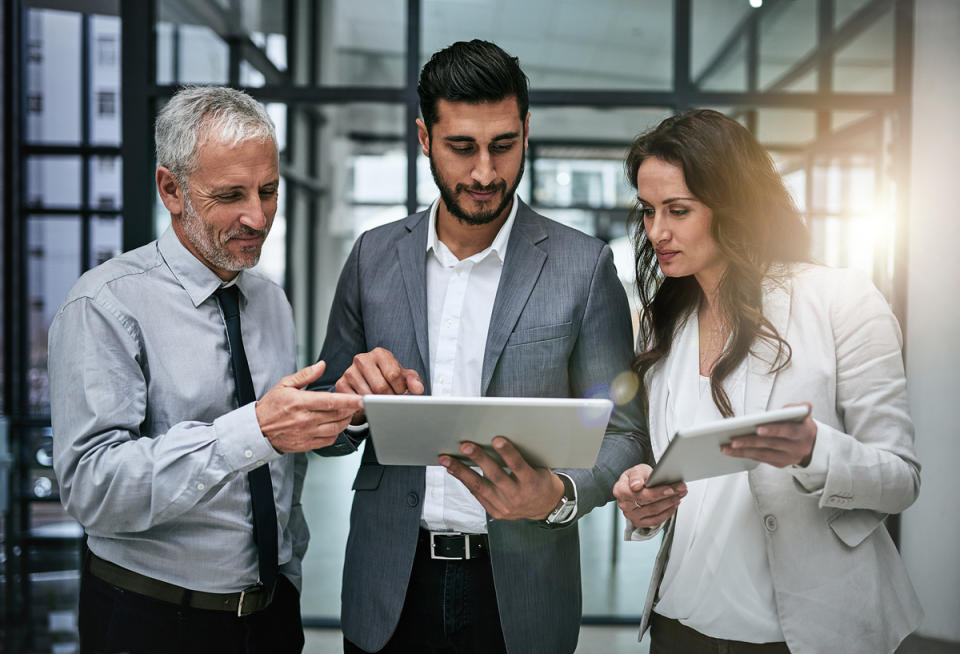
668	636
450	608
116	620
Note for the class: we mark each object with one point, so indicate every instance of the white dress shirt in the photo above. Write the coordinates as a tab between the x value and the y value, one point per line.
460	296
717	578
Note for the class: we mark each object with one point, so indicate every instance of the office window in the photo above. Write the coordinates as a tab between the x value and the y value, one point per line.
106	50
54	76
35	51
605	44
53	265
35	103
106	103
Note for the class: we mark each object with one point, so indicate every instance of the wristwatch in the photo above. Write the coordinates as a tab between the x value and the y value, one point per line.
567	506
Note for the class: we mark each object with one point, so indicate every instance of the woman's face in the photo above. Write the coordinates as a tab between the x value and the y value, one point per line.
677	224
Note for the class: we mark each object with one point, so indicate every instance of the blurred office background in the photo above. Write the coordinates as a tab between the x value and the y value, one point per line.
855	100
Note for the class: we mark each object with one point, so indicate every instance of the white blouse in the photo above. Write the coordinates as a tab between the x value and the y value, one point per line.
717	579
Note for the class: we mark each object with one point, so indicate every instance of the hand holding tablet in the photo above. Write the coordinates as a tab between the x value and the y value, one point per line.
706	450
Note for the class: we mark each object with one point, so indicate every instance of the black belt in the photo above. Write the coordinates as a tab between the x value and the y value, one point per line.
454	546
249	600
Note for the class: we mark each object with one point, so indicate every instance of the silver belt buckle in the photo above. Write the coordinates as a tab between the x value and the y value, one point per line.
250	592
437	557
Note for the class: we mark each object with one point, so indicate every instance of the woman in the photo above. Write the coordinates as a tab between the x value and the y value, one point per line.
792	555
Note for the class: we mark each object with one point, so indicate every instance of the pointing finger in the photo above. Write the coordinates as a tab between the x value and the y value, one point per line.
304	376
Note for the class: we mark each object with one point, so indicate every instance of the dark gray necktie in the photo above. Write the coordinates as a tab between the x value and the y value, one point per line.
261	488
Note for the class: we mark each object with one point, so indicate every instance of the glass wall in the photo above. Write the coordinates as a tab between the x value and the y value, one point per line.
821	83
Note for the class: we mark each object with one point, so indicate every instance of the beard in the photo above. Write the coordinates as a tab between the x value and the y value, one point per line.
212	247
482	217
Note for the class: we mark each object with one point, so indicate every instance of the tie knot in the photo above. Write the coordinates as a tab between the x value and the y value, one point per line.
229	299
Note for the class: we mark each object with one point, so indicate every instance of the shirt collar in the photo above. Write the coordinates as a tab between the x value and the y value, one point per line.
197	280
499	245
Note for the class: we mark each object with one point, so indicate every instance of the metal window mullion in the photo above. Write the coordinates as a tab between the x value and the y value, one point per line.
412	103
825	57
13	287
682	41
288	202
313	203
138	76
175	63
753	66
86	97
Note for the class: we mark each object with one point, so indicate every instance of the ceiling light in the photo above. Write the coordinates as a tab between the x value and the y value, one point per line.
756	4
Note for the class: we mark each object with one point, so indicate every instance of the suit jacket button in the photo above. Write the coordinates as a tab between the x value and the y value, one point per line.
770	522
413	499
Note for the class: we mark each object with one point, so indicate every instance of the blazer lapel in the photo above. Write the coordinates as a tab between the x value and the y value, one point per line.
520	273
412	252
763	353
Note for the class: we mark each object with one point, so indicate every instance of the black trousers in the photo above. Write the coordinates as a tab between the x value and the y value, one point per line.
115	620
668	636
450	608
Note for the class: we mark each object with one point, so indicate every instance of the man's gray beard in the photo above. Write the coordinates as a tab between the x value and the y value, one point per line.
201	236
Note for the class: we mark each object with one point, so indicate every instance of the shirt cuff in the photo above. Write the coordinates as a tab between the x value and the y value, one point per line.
814	475
240	440
358	429
632	533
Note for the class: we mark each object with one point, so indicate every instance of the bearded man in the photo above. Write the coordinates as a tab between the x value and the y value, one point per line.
173	427
476	296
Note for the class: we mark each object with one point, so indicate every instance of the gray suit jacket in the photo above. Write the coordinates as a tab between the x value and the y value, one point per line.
560	328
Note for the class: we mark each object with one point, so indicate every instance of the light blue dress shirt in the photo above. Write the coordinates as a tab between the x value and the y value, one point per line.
149	445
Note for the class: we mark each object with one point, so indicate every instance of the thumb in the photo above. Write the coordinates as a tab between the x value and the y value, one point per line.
304	376
638	477
414	383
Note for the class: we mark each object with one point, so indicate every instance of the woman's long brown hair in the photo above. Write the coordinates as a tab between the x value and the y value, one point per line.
755	224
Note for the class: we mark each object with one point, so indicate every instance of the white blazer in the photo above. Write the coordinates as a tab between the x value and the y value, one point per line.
839	582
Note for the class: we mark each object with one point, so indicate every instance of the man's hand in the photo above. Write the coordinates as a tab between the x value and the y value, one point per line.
520	492
295	420
778	443
378	373
642	506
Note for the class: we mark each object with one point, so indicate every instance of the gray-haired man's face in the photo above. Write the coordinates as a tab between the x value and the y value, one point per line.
229	204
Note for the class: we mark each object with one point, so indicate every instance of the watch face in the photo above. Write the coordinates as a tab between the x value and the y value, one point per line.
563	512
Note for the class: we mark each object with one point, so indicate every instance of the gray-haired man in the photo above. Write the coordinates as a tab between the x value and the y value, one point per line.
163	453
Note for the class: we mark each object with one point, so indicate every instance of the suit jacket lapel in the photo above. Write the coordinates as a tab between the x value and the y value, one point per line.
776	308
520	273
412	252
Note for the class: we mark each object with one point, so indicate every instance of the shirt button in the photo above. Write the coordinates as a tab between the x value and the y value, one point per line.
412	499
248	454
770	522
200	486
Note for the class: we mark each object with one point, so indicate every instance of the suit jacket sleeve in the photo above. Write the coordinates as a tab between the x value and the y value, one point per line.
344	339
600	361
871	463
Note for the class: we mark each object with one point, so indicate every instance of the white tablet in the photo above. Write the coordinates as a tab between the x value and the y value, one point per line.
413	430
694	453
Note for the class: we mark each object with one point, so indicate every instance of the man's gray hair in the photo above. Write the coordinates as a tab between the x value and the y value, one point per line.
197	114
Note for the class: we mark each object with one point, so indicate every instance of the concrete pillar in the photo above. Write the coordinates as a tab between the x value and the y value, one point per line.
931	528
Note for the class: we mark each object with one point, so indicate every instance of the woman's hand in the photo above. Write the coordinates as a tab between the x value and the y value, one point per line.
778	443
642	506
